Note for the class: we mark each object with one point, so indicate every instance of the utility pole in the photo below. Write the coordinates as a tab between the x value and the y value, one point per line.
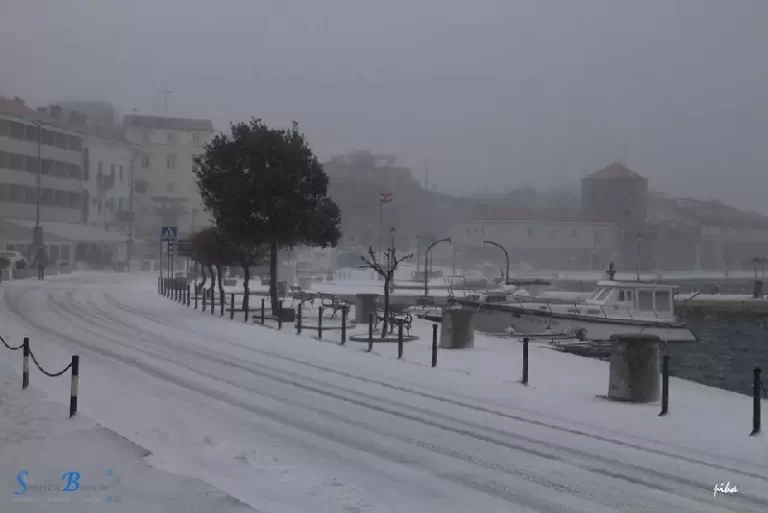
166	93
37	234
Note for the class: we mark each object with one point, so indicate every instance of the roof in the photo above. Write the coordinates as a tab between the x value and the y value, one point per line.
635	284
566	215
19	109
165	123
74	232
615	171
714	213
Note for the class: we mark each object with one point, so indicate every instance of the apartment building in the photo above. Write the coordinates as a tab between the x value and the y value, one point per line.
25	136
166	192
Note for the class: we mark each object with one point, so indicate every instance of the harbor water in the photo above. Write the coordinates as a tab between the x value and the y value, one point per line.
725	356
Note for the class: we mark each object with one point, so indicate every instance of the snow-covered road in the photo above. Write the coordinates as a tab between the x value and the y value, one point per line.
288	424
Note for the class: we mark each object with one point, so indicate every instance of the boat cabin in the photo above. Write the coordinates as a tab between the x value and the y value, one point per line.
635	296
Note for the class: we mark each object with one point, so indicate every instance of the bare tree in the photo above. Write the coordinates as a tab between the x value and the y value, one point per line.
386	269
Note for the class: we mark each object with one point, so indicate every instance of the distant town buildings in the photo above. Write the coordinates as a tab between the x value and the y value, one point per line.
106	187
167	194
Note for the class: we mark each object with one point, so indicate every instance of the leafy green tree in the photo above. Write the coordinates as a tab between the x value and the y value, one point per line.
264	187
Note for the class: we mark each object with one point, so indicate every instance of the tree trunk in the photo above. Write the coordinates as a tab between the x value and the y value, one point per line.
205	278
246	284
385	322
213	278
221	282
273	276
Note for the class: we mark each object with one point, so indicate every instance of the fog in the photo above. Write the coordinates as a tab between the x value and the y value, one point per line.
493	94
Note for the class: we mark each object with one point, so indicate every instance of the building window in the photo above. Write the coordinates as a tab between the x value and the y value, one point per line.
62	141
145	163
121	173
170	161
75	143
147	137
169	187
48	137
196	139
171	138
18	131
31	133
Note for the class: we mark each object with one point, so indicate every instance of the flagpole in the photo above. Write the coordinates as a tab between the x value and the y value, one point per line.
381	217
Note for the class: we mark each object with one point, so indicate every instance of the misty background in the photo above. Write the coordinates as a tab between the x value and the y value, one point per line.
494	95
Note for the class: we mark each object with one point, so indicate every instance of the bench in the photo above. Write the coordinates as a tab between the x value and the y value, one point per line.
297	294
394	318
332	302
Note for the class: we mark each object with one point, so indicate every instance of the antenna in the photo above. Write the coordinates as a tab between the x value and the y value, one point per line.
166	93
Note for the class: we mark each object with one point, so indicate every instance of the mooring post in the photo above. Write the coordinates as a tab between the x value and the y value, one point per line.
222	300
434	345
756	400
262	311
25	365
232	306
343	325
399	339
370	332
74	387
525	361
664	385
298	319
319	322
280	314
213	301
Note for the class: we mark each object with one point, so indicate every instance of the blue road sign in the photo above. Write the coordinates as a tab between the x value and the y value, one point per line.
168	233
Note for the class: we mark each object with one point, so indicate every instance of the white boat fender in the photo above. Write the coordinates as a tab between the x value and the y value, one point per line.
510	331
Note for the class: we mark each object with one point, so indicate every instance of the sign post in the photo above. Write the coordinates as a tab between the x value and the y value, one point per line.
168	234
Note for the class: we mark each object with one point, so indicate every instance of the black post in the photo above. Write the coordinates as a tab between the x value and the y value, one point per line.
246	305
320	322
25	365
280	314
205	300
298	319
525	360
159	285
222	300
370	332
399	339
232	306
196	298
187	296
343	325
75	383
664	385
262	311
178	292
756	389
434	345
213	301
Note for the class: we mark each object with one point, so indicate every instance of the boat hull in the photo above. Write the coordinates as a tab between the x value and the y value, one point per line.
498	318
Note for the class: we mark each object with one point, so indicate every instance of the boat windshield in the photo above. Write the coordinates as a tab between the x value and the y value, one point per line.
594	295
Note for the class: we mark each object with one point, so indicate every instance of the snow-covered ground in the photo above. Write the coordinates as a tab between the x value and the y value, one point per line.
291	424
39	445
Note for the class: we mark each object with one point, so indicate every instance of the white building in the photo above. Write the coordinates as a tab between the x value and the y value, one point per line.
166	193
62	188
61	177
546	239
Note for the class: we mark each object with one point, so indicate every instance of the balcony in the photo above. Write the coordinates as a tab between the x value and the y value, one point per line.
105	182
141	186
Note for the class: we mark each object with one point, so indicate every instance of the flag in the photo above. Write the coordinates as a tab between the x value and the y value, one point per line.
386	197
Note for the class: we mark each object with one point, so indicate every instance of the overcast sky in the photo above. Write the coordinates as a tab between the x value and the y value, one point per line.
495	94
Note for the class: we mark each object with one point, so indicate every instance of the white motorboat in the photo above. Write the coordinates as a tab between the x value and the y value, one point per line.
614	307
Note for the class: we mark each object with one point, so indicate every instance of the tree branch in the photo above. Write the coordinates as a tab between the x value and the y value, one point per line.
372	263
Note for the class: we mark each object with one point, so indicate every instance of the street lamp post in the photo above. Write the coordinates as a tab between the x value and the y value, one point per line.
506	257
426	263
37	235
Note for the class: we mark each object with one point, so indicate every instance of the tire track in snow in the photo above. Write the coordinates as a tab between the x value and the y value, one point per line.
490	411
493	489
698	486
